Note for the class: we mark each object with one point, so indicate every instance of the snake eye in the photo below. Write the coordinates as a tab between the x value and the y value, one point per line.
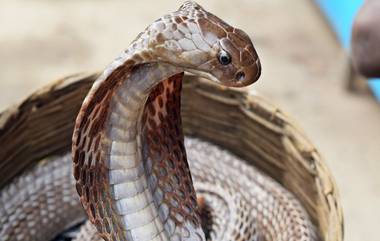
224	57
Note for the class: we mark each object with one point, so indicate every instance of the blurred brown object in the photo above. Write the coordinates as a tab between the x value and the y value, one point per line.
365	41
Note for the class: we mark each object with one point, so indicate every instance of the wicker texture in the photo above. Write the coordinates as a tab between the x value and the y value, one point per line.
246	125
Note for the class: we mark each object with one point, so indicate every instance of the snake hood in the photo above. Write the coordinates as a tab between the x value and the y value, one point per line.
201	43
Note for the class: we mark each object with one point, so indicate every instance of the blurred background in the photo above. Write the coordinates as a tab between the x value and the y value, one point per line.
305	72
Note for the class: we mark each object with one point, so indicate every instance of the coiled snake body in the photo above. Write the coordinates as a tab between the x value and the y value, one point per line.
129	158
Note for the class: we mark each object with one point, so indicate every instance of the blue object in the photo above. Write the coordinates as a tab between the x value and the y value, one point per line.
341	14
374	84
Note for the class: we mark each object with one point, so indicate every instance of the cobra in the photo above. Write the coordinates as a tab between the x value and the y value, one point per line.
129	157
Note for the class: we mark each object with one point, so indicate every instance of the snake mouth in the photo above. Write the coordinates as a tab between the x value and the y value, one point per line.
235	83
202	74
243	77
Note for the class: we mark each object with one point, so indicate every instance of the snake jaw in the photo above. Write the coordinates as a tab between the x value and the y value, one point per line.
203	74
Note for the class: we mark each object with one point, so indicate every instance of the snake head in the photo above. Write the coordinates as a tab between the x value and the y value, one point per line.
226	53
202	43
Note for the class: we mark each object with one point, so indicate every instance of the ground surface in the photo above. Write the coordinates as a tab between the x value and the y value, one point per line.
303	72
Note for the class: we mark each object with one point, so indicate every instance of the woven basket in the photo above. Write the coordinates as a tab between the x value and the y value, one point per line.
247	125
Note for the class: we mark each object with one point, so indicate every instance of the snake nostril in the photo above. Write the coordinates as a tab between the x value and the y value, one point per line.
240	76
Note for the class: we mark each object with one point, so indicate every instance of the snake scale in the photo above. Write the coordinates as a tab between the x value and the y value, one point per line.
129	154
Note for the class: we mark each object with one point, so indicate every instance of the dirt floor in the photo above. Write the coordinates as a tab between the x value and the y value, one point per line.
304	72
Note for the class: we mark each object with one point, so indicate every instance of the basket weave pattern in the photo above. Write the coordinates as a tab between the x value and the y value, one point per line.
246	125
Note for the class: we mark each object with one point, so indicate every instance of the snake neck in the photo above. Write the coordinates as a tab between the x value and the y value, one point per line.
149	181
